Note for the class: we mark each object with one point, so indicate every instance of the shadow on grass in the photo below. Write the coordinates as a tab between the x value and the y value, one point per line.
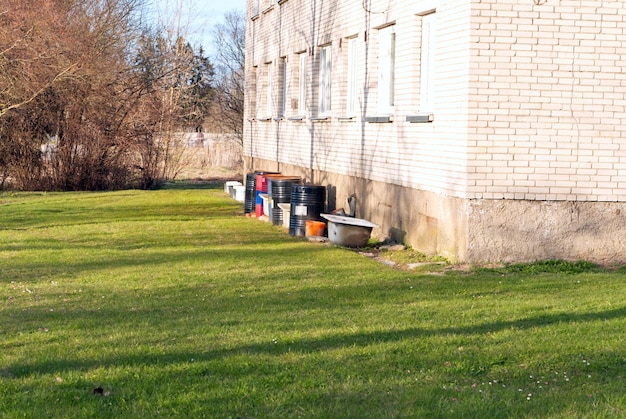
264	365
90	214
162	251
251	362
193	184
303	346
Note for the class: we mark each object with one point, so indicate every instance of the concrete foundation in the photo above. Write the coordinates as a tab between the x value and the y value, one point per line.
475	231
428	222
525	231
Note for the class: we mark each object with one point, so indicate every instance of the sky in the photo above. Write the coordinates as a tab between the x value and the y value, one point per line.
202	16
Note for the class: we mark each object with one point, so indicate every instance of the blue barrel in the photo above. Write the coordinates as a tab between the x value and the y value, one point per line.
250	198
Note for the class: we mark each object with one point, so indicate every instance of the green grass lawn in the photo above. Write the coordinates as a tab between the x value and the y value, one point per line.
170	303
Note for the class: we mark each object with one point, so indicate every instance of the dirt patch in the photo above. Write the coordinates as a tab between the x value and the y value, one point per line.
401	257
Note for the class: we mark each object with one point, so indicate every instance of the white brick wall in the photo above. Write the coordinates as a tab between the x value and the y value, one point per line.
551	83
530	99
426	156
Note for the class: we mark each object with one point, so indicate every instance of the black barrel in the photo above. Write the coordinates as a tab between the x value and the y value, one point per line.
279	191
307	203
250	196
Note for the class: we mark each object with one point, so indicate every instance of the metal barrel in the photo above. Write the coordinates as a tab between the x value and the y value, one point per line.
262	179
248	205
279	191
307	203
250	196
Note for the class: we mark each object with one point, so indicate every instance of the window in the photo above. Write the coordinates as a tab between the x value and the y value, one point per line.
268	89
302	84
386	58
255	100
351	88
427	63
283	87
267	5
325	63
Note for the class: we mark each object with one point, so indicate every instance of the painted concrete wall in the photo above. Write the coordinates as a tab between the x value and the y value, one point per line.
525	231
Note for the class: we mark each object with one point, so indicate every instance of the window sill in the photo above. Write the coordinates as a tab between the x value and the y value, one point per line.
346	118
295	118
282	1
278	118
264	118
321	119
255	16
268	8
420	118
379	119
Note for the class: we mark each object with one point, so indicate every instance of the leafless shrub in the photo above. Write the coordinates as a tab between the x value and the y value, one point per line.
90	98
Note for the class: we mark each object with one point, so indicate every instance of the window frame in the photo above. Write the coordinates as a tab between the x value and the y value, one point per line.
351	77
302	68
258	87
269	105
386	70
283	88
324	103
428	49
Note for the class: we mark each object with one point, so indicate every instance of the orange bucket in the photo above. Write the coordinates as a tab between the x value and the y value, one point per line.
315	228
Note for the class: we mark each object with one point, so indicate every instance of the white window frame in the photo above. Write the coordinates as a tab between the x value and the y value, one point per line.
302	59
386	71
427	63
267	4
283	87
257	92
325	81
351	78
268	89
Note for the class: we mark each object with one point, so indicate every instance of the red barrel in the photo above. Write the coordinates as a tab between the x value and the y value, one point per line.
262	183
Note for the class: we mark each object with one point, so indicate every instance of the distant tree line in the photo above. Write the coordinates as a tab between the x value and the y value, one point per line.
91	96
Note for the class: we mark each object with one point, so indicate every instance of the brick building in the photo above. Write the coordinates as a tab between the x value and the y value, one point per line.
481	130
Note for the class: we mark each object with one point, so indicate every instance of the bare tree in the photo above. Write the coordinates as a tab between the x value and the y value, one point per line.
88	99
34	52
60	63
179	80
229	38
